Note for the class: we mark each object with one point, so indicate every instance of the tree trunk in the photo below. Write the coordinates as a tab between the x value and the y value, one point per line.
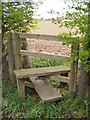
5	66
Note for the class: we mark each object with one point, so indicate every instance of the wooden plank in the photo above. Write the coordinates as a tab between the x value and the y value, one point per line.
29	84
60	78
21	88
11	57
26	61
73	71
41	71
46	91
44	55
18	65
17	47
38	36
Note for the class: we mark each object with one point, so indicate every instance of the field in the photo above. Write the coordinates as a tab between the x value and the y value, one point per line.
53	47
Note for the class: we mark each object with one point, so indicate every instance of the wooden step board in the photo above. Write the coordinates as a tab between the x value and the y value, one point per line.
22	73
46	92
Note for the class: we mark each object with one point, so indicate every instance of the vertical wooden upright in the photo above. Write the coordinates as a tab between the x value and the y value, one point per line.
18	65
17	47
26	63
73	71
11	57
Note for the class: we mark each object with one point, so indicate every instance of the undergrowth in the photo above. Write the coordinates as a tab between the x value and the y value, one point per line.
13	107
38	62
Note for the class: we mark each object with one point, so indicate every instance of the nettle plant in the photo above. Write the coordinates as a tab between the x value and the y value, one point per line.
77	19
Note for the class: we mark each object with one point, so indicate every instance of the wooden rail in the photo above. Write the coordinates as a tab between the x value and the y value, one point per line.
44	71
60	79
15	61
38	36
44	55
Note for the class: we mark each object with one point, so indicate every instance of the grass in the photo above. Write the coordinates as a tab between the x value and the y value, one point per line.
14	107
37	62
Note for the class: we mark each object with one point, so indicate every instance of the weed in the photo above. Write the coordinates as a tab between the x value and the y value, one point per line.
37	62
14	107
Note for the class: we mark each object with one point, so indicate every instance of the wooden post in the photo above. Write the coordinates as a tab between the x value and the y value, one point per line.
73	70
11	57
18	65
77	59
27	63
17	47
83	78
21	88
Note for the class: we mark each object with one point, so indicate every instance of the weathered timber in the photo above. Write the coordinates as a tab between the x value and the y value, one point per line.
77	59
17	47
83	81
11	57
73	69
46	91
29	84
21	88
26	61
43	55
18	65
60	78
22	73
38	36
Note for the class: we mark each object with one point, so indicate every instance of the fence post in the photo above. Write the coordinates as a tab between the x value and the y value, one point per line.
17	47
18	65
26	63
73	70
11	60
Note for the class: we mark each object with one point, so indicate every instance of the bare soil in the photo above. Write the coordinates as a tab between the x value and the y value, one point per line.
53	47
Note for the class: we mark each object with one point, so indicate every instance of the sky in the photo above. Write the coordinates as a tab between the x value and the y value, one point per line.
55	5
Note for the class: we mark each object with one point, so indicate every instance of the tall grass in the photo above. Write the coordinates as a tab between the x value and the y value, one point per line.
15	108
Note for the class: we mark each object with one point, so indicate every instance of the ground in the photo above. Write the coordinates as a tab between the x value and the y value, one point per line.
53	47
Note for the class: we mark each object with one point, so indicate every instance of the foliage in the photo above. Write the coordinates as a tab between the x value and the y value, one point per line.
17	16
37	62
77	19
14	107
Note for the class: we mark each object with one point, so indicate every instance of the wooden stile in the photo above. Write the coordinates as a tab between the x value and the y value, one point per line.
47	71
18	65
60	79
29	84
38	36
26	62
21	88
73	71
46	91
17	47
44	71
11	57
44	55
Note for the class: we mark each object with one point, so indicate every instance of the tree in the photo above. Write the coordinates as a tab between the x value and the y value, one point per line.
78	19
16	16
